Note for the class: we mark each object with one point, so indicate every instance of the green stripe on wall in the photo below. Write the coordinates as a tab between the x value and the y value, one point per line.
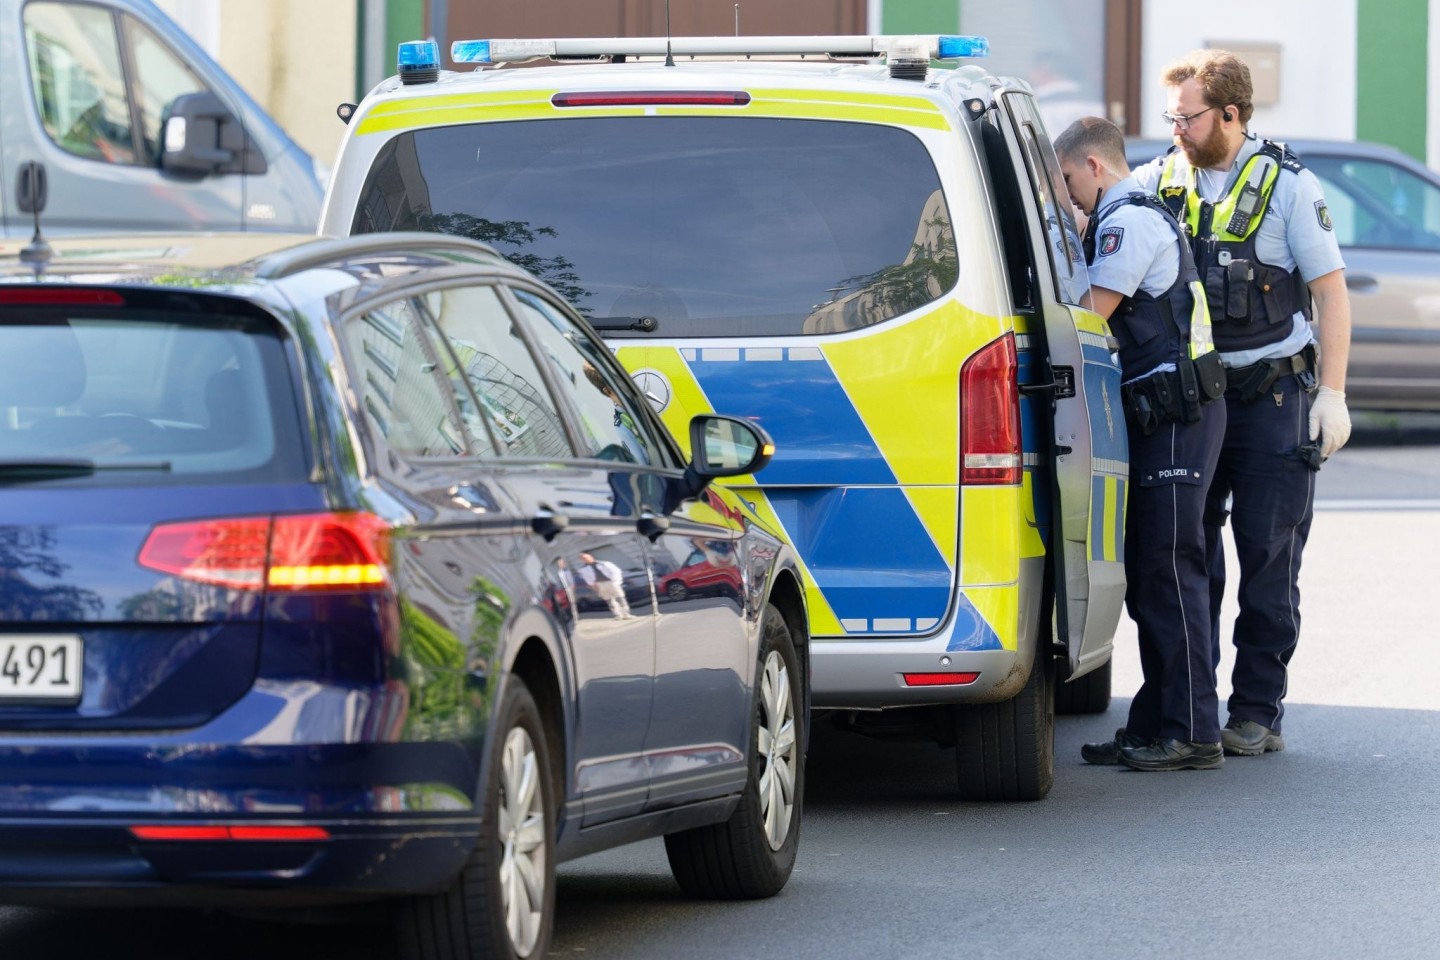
1390	73
920	16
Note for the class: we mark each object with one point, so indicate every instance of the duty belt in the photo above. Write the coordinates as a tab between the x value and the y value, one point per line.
1253	381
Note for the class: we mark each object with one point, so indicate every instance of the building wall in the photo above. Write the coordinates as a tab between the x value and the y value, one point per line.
296	59
1318	59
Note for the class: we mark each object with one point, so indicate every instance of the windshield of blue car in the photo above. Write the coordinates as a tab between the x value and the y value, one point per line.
710	226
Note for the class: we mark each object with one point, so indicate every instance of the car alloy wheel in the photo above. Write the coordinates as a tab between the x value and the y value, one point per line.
522	836
778	750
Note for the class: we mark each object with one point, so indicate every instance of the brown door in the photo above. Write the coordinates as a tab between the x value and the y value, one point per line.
645	18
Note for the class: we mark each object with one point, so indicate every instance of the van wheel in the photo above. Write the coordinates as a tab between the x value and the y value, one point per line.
1088	694
502	904
751	855
1006	751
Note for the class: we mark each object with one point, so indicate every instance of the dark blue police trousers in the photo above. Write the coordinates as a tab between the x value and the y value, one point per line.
1272	495
1167	591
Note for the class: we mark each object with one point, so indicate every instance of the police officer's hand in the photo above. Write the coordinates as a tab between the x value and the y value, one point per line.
1329	420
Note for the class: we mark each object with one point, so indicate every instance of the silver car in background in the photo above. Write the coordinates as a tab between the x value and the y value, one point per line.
1386	209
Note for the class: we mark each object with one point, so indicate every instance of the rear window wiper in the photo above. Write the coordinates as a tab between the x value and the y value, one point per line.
643	324
55	468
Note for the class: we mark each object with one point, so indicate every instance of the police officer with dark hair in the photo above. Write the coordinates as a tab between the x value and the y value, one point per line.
1143	280
1266	251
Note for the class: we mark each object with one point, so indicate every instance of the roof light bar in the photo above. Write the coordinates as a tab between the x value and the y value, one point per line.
835	47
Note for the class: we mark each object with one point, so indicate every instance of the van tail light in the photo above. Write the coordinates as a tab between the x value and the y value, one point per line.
164	832
289	552
61	297
990	416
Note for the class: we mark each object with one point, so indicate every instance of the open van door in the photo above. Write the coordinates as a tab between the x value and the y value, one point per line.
1088	453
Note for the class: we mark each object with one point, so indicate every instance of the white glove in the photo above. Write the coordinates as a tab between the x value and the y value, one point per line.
1329	420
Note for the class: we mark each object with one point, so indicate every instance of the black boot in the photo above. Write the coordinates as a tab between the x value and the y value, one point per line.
1246	738
1172	754
1108	751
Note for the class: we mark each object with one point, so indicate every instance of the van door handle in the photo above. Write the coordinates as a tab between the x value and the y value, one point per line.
548	523
652	525
1361	282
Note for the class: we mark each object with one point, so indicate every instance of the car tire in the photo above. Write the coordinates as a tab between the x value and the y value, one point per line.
515	856
1087	694
1006	750
751	855
676	590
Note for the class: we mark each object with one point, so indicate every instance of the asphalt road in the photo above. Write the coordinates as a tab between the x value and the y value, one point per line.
1331	849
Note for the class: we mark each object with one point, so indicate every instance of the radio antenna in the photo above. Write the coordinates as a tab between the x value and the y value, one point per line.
669	58
737	19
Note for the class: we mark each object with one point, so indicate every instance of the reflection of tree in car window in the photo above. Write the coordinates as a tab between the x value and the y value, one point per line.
930	268
556	271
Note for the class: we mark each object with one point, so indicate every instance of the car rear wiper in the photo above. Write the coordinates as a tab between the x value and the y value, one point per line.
55	468
643	324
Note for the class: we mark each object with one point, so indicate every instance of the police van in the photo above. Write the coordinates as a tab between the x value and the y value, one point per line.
872	256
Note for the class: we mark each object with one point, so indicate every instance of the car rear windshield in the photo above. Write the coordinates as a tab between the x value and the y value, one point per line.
126	395
711	226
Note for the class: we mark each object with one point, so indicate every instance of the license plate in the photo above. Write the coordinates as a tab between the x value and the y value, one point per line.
40	668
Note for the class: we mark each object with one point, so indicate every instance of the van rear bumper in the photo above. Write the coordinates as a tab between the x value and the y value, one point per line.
870	674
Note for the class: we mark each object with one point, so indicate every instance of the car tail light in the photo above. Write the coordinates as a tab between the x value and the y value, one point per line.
990	416
319	551
939	679
63	297
253	832
641	98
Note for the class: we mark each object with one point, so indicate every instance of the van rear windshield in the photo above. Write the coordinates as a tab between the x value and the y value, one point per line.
145	397
712	226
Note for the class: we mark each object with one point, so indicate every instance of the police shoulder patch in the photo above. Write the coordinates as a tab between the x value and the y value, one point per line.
1109	240
1322	213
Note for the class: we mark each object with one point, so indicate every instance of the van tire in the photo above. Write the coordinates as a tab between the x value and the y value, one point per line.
1006	751
469	919
1088	694
737	859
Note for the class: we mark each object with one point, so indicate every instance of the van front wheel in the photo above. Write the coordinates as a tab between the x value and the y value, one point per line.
1006	751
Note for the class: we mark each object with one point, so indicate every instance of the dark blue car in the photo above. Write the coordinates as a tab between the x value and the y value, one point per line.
328	574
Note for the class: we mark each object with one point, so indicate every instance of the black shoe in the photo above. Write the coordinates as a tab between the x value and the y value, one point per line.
1172	754
1109	750
1246	738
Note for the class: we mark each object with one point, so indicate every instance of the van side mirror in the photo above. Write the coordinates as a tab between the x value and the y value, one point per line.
725	447
201	137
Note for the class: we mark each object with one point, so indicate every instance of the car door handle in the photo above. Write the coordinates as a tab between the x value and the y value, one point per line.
548	523
1361	282
652	525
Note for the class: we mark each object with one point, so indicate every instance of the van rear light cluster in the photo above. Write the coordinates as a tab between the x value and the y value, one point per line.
288	552
261	832
990	416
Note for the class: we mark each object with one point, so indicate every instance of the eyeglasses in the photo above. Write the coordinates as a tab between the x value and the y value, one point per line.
1182	121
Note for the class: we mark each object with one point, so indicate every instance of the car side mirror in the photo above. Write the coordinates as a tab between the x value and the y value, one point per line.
725	447
202	137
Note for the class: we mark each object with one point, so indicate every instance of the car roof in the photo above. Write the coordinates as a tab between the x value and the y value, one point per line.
221	260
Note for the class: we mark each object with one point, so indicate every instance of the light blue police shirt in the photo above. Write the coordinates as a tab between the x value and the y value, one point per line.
1135	249
1292	233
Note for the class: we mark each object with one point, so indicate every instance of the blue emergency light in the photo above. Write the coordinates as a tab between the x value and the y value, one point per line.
418	61
956	48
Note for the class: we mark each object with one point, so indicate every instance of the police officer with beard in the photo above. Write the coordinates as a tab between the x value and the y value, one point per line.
1266	251
1143	280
